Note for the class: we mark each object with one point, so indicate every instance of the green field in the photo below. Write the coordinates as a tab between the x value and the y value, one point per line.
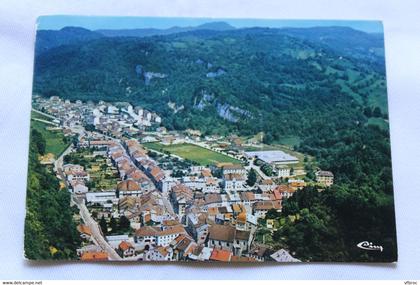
192	152
54	139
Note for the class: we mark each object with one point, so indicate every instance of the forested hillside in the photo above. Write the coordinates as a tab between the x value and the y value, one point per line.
251	76
50	232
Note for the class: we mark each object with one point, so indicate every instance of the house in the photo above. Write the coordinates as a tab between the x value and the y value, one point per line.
283	256
129	188
267	185
222	255
262	207
241	221
126	249
182	246
167	184
200	253
101	197
194	133
324	177
297	183
181	195
80	188
194	182
84	231
126	203
248	198
78	176
233	169
283	191
159	253
221	236
115	240
259	252
229	238
94	256
213	200
283	171
234	182
112	109
157	175
159	236
197	226
69	168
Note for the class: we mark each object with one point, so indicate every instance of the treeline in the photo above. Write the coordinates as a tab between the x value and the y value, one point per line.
328	225
50	231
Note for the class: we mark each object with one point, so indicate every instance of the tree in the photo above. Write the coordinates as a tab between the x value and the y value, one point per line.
252	178
124	223
267	169
377	112
113	225
292	171
90	184
367	112
272	214
104	226
90	127
39	141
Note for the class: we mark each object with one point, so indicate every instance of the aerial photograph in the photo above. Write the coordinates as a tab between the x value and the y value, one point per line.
209	140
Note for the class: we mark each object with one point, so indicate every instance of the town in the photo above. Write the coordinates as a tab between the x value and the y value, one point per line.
146	193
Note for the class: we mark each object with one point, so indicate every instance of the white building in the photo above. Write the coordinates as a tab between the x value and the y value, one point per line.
101	197
158	236
234	169
234	182
283	171
273	157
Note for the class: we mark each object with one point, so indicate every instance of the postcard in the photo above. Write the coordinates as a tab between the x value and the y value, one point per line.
205	140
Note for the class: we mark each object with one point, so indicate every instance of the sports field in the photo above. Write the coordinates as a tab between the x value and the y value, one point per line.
192	152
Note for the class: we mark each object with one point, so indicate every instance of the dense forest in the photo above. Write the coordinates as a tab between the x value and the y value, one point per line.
325	86
50	232
255	79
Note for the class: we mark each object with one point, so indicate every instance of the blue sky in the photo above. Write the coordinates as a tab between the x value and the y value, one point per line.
96	22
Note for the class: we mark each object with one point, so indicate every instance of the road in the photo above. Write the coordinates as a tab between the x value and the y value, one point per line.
46	122
97	237
168	206
58	164
44	114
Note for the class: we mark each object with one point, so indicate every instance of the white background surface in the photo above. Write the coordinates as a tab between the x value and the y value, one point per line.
402	41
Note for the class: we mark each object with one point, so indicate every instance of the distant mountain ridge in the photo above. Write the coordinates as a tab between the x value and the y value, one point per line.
214	26
47	39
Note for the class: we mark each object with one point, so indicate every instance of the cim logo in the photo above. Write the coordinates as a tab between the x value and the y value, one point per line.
366	245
